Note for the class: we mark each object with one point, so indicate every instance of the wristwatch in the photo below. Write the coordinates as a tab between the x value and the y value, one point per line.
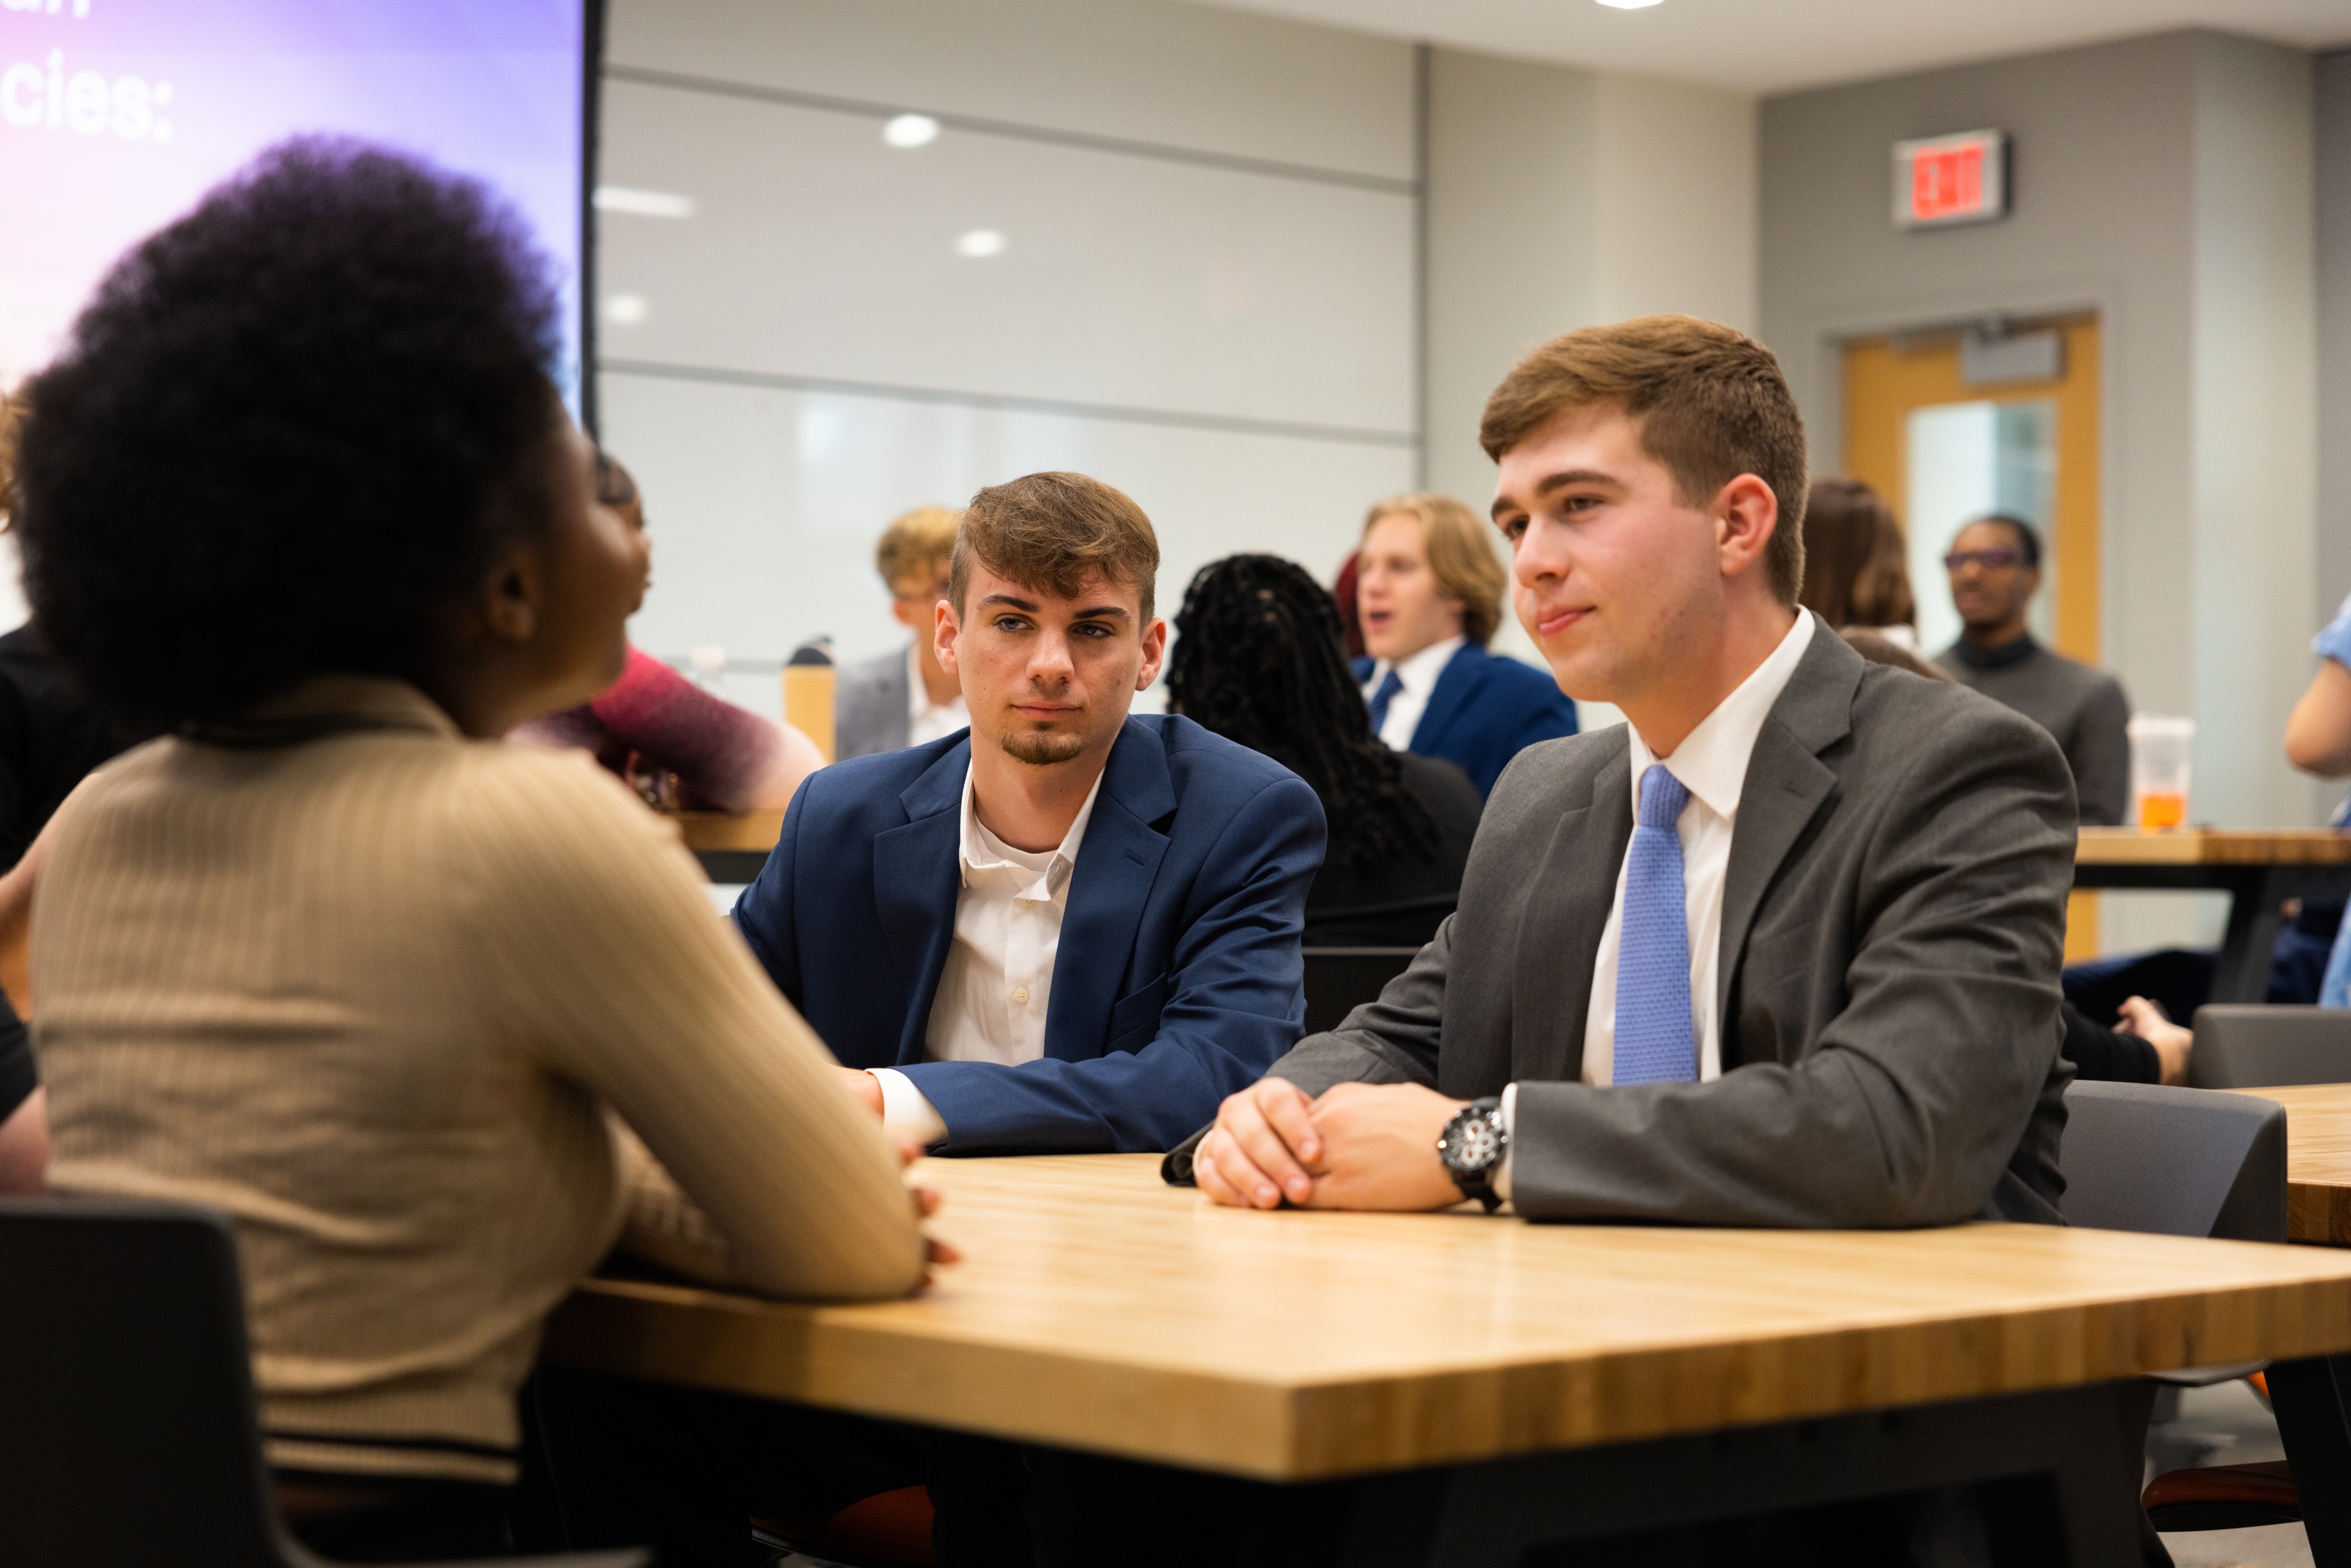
1472	1148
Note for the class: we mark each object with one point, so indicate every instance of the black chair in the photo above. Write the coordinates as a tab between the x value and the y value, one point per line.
128	1430
1340	979
2174	1162
2185	1162
2247	1047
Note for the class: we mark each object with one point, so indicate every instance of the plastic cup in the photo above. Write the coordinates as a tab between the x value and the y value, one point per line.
2162	750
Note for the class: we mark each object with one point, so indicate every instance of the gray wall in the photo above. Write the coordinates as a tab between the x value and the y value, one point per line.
1559	198
2163	183
2334	175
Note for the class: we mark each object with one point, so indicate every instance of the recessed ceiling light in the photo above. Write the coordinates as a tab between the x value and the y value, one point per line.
911	130
1631	4
627	309
980	242
643	204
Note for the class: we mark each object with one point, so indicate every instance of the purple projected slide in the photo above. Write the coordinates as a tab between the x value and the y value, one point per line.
116	115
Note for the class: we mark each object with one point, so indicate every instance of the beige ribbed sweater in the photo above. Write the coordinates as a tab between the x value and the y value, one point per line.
372	994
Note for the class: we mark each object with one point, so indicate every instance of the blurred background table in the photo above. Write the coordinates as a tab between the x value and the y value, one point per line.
1540	1368
731	848
2258	869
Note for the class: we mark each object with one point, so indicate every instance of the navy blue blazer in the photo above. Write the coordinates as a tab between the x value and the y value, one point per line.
1485	710
1178	980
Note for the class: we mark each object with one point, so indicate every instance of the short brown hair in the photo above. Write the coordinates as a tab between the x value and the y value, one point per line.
1855	570
915	542
1460	554
1049	531
1711	401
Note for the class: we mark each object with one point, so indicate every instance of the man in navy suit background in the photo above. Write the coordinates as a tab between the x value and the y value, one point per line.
1068	928
1430	592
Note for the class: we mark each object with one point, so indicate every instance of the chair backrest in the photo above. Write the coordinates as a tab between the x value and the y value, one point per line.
128	1432
2174	1162
2239	1047
1340	979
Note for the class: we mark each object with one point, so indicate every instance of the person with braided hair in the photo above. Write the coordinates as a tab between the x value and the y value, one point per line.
1259	659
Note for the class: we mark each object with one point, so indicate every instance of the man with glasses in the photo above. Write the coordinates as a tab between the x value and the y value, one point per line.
1995	566
904	698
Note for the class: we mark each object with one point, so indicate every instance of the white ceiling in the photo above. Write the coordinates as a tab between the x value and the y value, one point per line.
1773	45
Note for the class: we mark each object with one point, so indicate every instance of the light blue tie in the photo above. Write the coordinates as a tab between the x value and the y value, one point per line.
1389	686
1652	986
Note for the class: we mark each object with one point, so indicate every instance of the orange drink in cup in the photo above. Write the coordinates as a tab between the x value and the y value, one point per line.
2162	748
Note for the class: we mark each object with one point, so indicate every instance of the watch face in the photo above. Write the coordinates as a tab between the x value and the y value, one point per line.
1472	1143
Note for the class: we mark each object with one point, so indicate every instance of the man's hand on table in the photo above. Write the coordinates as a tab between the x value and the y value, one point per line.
863	1088
1359	1146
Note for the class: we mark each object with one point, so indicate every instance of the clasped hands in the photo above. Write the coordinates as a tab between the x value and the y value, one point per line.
1361	1145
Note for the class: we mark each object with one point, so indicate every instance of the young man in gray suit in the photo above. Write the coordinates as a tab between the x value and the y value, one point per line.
901	699
1783	950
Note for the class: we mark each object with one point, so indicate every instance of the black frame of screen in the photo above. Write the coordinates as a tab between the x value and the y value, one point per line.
591	115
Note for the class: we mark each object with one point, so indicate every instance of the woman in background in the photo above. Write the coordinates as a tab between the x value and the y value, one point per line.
1257	660
1855	570
2318	741
676	745
399	998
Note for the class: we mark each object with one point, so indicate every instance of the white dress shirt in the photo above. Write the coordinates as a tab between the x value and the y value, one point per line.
928	720
1712	764
998	980
1418	673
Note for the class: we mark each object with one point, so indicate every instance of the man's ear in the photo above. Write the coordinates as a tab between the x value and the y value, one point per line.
945	627
1747	514
1155	653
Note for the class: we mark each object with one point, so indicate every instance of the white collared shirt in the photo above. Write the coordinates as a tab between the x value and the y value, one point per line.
997	983
1418	671
926	721
1712	764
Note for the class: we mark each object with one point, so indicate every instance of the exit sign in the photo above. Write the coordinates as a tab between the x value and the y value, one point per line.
1940	179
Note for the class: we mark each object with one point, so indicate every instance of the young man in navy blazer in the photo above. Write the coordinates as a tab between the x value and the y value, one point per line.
1430	592
1068	929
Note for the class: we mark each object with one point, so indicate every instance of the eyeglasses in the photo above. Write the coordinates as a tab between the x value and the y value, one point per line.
1990	560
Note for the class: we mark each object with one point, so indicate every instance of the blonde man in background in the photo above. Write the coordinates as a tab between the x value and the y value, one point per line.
905	698
1429	588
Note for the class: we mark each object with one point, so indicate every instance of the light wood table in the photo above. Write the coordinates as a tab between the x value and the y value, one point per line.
1101	1309
2317	1160
2258	869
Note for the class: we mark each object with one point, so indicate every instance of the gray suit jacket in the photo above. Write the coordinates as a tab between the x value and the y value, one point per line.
1892	929
870	702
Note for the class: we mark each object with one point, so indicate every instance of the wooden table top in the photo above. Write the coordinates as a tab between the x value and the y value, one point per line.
2099	846
2213	846
2317	1160
1100	1308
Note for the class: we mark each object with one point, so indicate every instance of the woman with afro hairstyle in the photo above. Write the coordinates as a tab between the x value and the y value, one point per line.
1258	659
401	998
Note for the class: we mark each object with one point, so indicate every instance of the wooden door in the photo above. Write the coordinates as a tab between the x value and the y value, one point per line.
1890	380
